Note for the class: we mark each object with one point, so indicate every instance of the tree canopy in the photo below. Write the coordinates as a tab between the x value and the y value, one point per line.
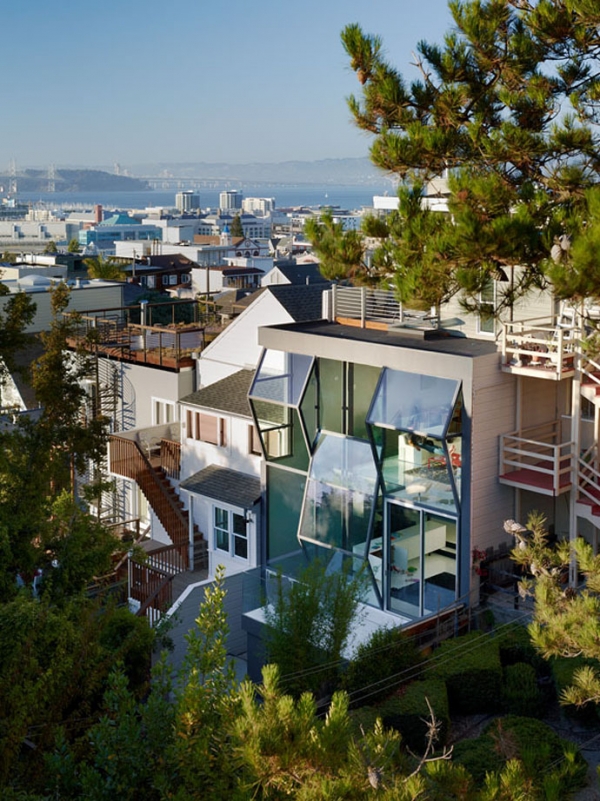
106	267
506	110
236	226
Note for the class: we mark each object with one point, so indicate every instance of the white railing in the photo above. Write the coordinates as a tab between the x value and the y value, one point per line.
538	450
588	475
538	344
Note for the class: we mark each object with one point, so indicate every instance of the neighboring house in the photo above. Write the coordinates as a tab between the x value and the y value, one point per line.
221	457
161	273
293	273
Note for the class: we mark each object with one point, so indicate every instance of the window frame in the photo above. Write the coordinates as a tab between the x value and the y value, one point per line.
227	523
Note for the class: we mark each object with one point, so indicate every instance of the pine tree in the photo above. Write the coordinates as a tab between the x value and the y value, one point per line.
236	227
507	109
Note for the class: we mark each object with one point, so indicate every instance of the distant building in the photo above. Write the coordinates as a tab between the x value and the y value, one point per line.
230	199
187	201
260	206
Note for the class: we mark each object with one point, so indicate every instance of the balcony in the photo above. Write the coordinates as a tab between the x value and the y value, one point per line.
540	348
113	335
536	459
588	485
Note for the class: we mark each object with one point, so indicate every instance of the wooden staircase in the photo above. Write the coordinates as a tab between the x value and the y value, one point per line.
127	459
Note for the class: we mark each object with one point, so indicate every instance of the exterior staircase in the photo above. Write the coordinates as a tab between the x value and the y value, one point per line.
127	459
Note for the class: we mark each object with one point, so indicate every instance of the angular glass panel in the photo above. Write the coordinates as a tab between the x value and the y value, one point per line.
308	408
353	567
439	563
284	504
362	381
404	526
332	400
281	377
340	494
417	469
281	434
412	402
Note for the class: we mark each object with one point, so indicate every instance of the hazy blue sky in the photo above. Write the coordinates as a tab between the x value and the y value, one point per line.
132	81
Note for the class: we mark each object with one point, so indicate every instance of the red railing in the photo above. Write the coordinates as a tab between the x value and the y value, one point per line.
152	588
169	559
170	457
127	459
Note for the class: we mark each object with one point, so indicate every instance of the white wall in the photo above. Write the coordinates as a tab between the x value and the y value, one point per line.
237	346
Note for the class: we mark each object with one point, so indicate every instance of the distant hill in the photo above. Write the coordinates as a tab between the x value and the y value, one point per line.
326	171
73	181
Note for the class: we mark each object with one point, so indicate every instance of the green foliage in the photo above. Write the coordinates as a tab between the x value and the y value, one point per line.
409	713
341	253
74	246
236	230
51	247
470	666
541	752
160	311
566	621
507	108
9	257
379	664
105	267
309	624
522	695
54	662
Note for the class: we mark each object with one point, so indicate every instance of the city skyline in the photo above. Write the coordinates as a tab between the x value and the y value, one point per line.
140	82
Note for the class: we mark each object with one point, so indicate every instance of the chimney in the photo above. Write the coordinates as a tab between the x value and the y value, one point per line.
98	215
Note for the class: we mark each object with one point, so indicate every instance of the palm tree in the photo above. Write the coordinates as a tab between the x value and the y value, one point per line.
105	267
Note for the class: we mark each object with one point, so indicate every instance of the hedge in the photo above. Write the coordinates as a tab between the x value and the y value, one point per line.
522	696
409	713
471	669
386	655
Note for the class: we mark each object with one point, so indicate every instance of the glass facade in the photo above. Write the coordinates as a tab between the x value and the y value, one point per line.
364	468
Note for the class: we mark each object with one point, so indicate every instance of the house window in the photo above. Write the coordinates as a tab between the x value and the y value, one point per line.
254	441
172	279
162	411
486	323
185	278
230	533
151	281
206	428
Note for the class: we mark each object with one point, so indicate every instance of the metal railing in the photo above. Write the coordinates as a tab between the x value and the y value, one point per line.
365	305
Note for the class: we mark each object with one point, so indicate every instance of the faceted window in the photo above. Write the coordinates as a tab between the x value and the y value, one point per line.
281	377
340	494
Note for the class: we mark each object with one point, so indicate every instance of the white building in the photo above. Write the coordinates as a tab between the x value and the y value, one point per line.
260	206
230	200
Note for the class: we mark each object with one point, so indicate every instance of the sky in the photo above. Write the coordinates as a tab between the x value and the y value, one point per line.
148	81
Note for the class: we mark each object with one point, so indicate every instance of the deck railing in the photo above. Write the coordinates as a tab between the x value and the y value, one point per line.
538	344
127	459
152	588
365	305
539	450
588	475
170	457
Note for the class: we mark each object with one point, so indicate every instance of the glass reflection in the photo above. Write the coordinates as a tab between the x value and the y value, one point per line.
413	402
439	563
281	377
340	494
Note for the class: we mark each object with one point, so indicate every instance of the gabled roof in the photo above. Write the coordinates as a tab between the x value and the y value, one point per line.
302	302
223	484
301	273
229	395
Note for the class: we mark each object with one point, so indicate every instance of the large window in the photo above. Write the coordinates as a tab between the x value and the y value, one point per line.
230	532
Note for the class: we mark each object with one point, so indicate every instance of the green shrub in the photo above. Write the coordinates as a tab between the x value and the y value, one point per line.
522	695
363	719
563	669
470	666
410	715
515	646
546	757
385	655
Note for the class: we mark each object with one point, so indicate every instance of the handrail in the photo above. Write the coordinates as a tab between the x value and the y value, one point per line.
536	455
127	459
152	588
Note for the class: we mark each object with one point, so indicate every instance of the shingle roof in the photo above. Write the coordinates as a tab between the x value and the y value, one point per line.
228	395
223	484
303	303
299	273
